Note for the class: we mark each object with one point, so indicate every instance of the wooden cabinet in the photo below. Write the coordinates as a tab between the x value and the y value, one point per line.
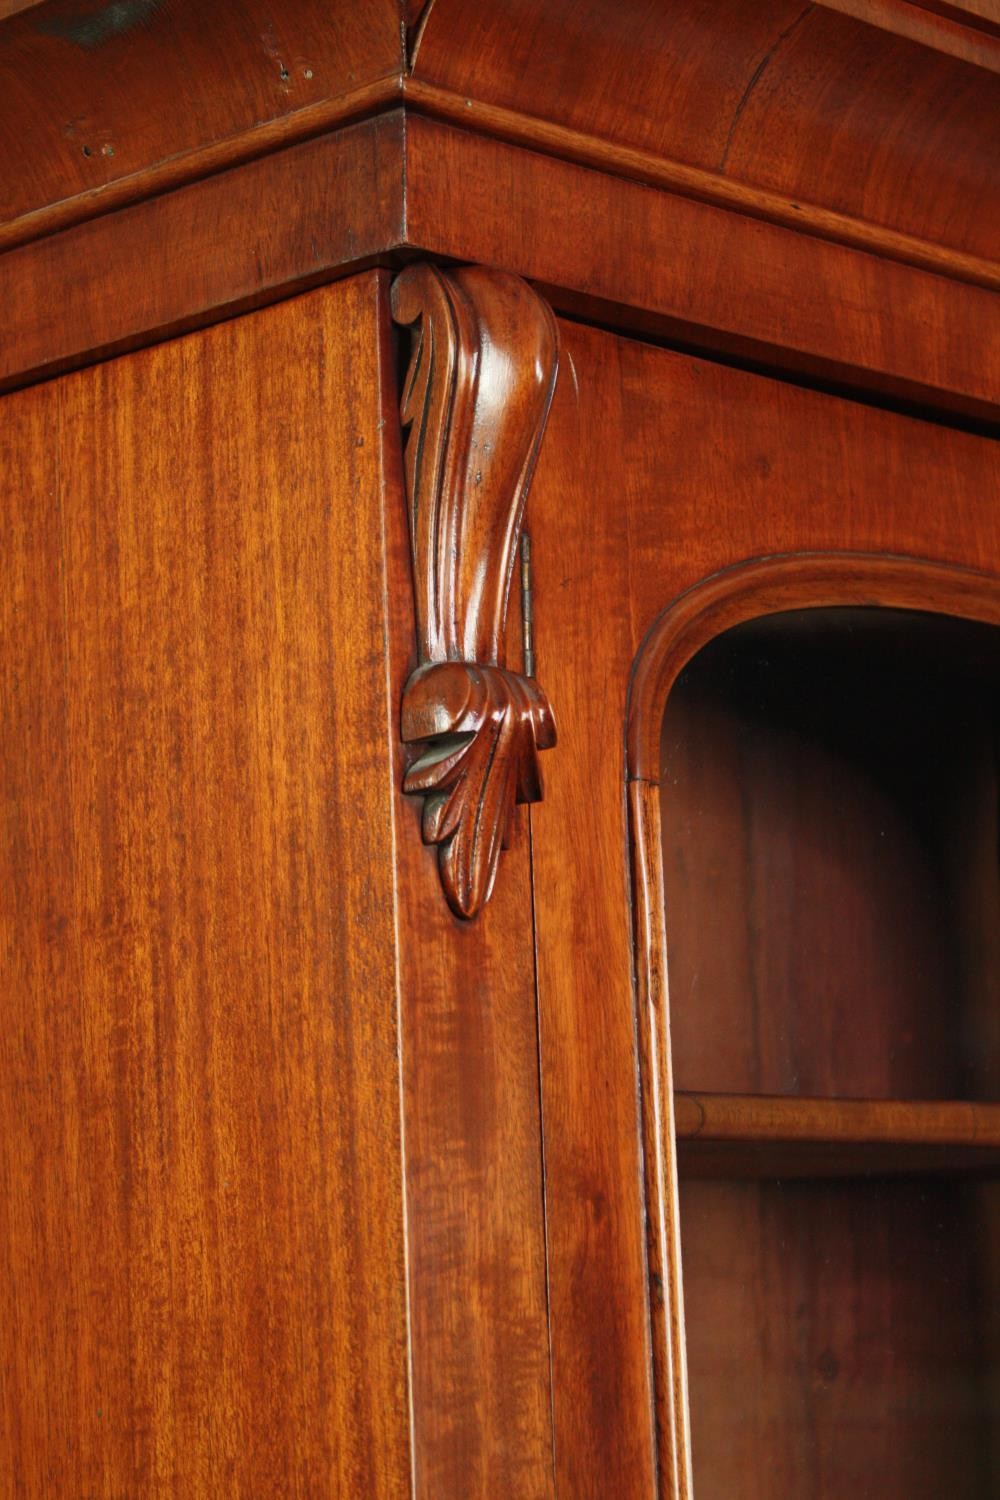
412	413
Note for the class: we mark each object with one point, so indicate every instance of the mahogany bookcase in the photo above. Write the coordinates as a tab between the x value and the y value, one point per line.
499	750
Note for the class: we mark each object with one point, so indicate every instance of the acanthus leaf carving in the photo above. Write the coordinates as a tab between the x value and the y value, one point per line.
476	398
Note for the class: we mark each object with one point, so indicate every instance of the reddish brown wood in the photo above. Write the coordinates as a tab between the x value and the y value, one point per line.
604	245
11	7
832	1340
955	29
209	250
829	787
287	1242
780	1117
201	1215
695	182
782	94
477	396
668	266
661	1154
230	84
95	95
799	579
595	1214
482	1401
979	13
660	471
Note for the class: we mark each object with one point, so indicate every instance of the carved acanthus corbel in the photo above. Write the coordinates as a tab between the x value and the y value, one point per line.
478	388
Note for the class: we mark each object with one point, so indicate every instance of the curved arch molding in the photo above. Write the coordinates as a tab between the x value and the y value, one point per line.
760	587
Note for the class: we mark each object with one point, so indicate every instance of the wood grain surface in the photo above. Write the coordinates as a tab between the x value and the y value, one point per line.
604	245
97	96
207	251
806	100
756	1135
660	471
201	1201
833	1341
611	250
153	93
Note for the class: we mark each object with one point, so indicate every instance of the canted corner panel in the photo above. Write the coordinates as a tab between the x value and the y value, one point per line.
476	398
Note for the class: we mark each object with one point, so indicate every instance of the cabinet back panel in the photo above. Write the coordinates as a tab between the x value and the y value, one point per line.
831	858
835	1350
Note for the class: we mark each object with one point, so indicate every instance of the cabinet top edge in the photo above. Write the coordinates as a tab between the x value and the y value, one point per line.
829	117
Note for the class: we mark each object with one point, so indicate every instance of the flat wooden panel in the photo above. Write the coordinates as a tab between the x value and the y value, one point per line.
202	1217
597	1274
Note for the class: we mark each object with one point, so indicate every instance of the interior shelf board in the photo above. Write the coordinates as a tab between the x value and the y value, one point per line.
749	1135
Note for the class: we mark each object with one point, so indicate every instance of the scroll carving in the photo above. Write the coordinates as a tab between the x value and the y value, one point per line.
477	393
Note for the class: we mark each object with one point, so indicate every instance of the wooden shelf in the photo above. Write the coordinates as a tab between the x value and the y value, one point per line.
750	1135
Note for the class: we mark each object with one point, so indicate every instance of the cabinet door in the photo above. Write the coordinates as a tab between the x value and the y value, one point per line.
675	499
201	1214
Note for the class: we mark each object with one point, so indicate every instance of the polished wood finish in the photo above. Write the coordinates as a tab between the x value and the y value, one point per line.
100	100
697	468
792	97
611	250
602	245
481	1393
202	1216
755	1135
955	29
212	249
637	165
778	1117
151	95
310	1184
716	261
477	395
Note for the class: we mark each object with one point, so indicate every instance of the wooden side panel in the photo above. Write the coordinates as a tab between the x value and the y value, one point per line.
201	1216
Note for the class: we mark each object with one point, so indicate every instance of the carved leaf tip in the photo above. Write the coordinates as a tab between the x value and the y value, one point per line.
474	768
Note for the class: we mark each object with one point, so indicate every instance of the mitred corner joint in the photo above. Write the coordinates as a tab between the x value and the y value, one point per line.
480	380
